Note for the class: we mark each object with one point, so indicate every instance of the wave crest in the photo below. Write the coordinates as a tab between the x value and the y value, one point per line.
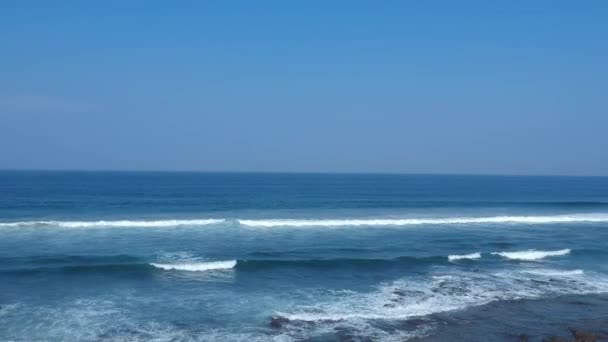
197	266
269	223
556	273
531	255
471	256
119	223
429	221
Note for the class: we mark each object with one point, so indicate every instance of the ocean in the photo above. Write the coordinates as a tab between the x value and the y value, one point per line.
161	256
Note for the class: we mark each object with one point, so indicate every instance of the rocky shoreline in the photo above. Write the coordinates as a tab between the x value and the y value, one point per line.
577	336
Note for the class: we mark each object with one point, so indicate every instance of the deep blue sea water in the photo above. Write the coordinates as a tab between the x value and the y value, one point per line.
120	256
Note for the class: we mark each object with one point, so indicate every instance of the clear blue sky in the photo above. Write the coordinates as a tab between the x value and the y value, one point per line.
507	87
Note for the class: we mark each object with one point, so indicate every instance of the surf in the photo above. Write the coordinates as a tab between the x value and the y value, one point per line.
197	266
338	222
472	256
549	219
117	223
532	255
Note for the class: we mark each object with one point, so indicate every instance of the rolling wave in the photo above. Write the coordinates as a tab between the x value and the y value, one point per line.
125	263
119	223
269	223
532	255
426	221
68	260
471	256
339	263
197	266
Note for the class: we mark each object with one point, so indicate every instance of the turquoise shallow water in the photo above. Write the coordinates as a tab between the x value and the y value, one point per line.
288	257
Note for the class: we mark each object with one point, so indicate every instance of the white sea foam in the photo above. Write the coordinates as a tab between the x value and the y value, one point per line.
442	278
326	312
574	218
471	256
197	266
88	319
430	221
120	223
556	273
418	297
531	255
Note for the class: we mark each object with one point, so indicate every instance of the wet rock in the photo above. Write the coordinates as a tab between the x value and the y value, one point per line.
556	339
523	338
414	323
450	289
583	336
348	335
277	322
405	293
579	336
400	293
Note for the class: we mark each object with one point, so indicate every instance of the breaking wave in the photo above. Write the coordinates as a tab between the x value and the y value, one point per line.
531	255
429	221
187	262
197	266
556	273
119	223
471	256
408	298
269	223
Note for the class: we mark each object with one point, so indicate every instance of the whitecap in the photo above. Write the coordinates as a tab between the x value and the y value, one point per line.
118	223
197	266
471	256
555	273
425	221
531	255
419	297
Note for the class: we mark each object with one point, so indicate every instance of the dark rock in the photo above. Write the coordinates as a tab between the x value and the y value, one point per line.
348	335
579	336
278	322
414	323
556	339
583	336
523	338
399	293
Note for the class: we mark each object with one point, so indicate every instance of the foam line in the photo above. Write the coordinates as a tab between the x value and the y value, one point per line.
429	221
532	255
197	266
471	256
121	223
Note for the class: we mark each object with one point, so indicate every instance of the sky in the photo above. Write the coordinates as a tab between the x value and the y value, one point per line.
473	87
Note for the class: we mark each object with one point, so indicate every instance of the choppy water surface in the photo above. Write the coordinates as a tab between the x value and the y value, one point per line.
290	257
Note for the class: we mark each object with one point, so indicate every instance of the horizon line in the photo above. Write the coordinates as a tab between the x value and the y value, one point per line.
379	173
